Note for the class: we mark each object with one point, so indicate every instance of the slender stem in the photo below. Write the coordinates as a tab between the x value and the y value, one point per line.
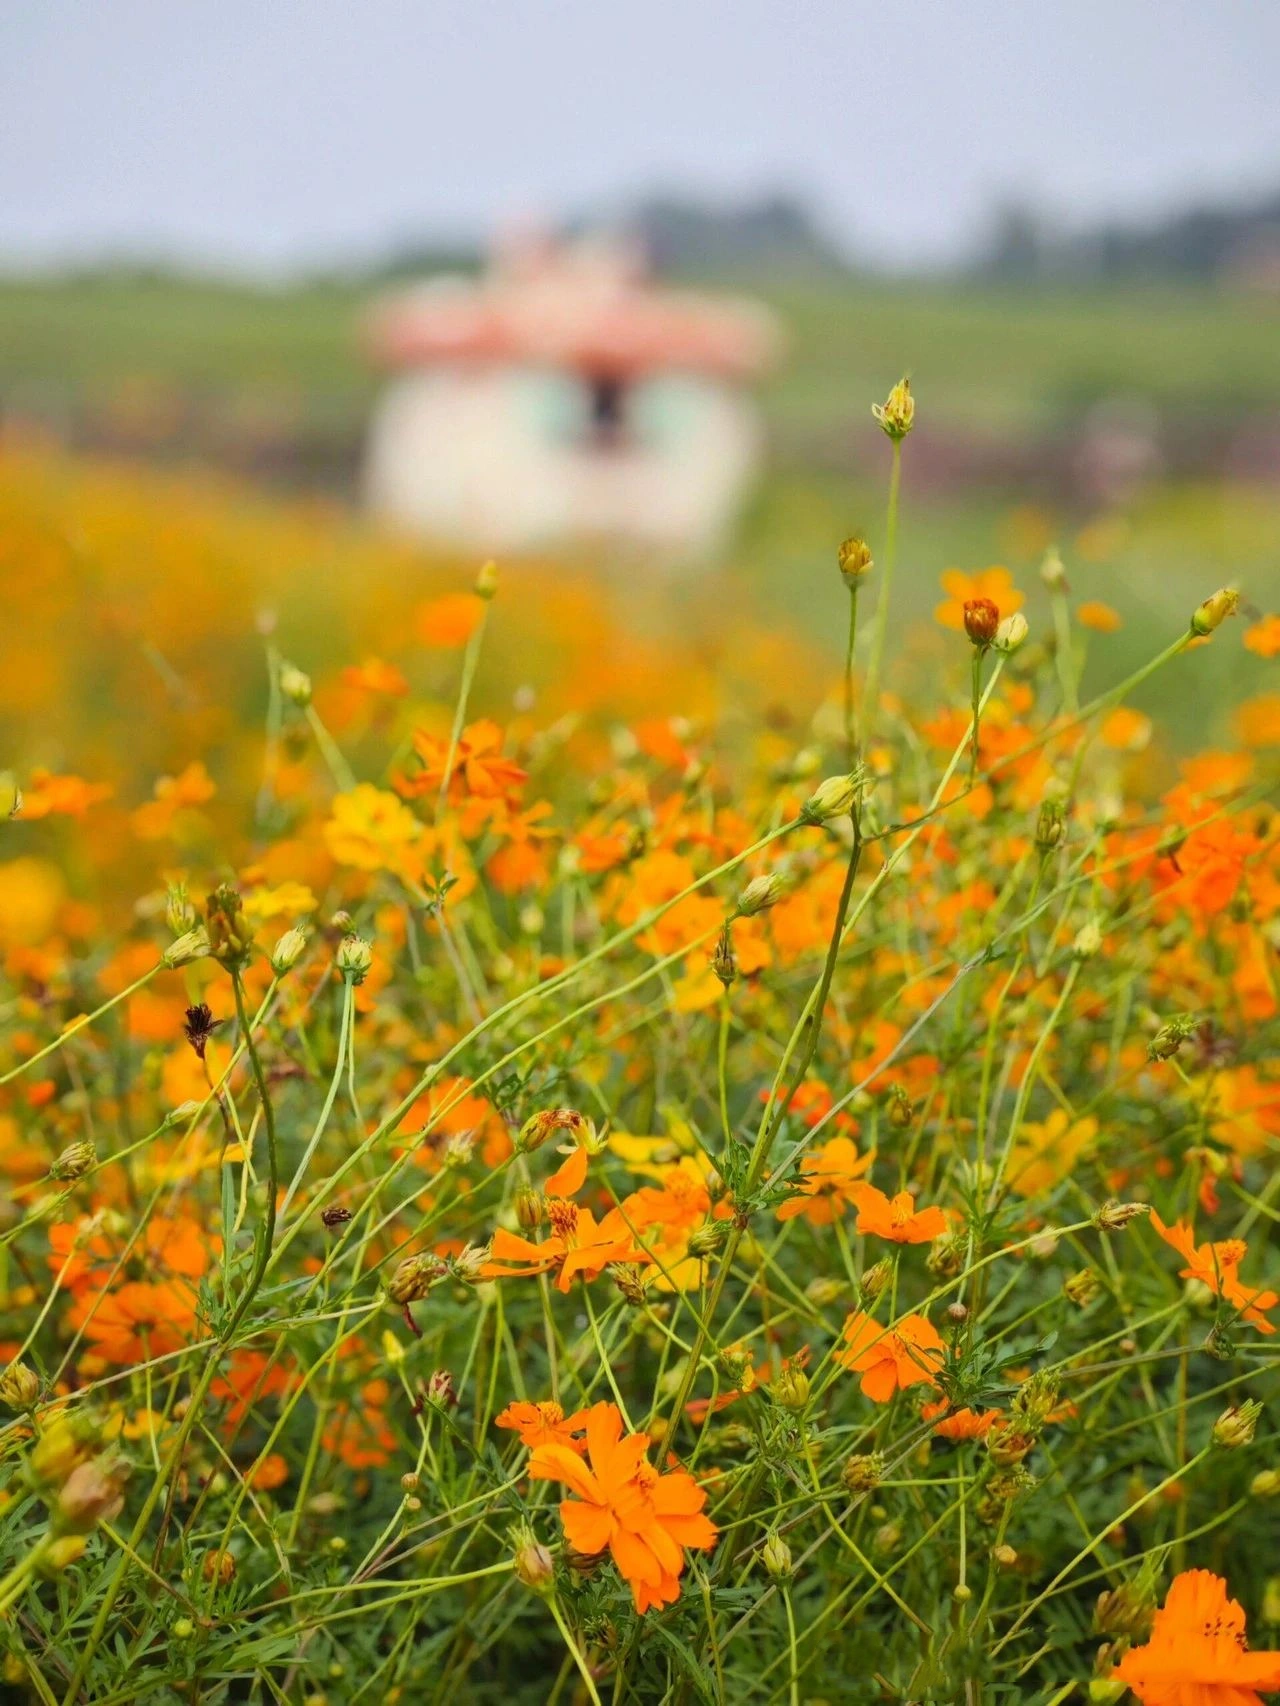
273	1163
880	630
976	702
850	697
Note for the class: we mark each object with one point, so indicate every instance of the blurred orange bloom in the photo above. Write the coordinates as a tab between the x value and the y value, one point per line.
449	620
831	1182
1098	616
1264	637
994	583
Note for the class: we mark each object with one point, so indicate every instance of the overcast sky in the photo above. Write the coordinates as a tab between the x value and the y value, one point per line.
261	132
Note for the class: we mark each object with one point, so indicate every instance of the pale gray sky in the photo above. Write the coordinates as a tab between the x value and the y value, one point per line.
275	133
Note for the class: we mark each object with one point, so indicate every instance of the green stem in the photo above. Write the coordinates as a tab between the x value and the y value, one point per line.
881	628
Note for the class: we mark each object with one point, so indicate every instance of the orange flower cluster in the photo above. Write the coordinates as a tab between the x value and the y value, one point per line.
644	1519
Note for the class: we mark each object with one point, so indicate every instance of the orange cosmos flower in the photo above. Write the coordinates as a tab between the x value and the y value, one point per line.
1098	616
831	1182
544	1423
47	795
577	1245
995	584
478	767
889	1359
624	1506
898	1219
1217	1267
1264	637
137	1321
958	1424
375	675
1197	1654
450	620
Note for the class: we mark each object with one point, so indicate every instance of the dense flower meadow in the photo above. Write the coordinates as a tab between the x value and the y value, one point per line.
542	1163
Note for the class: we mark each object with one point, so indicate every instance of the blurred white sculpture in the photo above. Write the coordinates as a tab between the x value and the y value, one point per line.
563	396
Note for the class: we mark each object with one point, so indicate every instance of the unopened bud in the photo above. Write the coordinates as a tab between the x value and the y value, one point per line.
1051	825
760	894
1052	572
1265	1484
1087	942
1214	611
874	1281
706	1239
295	684
854	558
775	1555
1004	1556
1082	1287
833	798
534	1565
487	580
218	1566
723	962
354	958
1011	633
1237	1424
1114	1216
74	1162
897	413
863	1471
414	1278
981	620
288	951
230	938
19	1386
192	945
1171	1036
530	1209
790	1389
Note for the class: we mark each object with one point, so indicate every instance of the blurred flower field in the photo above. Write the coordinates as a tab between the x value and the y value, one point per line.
560	1146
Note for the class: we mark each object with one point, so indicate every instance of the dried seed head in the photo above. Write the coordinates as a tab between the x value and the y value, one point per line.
414	1278
1115	1216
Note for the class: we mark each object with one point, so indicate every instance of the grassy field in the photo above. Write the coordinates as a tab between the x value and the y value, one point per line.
272	381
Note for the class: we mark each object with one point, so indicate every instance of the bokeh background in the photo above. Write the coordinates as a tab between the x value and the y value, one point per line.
1062	221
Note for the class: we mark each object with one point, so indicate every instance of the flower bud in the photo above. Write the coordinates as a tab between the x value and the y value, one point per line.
1087	941
74	1162
353	959
487	580
1265	1484
1052	572
414	1278
230	939
441	1390
295	684
530	1209
1171	1036
1115	1216
835	797
863	1471
183	1629
10	795
1125	1610
540	1126
981	620
218	1566
1237	1424
1105	1691
61	1552
897	413
288	951
1214	611
533	1564
760	894
1004	1556
1082	1287
179	913
92	1493
1011	633
723	963
790	1389
1051	825
706	1239
19	1386
775	1555
874	1281
192	945
854	558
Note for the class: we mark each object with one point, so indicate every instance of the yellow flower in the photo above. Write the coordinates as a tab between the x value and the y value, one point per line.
1047	1150
371	830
